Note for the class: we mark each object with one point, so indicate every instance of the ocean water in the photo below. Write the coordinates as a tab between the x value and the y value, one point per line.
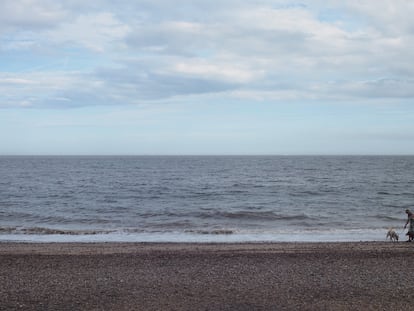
204	198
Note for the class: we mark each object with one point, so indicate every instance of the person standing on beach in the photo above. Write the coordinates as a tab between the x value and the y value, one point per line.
410	220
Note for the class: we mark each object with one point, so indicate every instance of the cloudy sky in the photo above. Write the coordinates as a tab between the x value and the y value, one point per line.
206	77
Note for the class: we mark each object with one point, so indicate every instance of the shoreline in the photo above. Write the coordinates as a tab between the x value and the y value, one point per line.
223	235
207	276
77	248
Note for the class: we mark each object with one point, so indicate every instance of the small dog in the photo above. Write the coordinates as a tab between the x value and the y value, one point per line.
392	235
410	236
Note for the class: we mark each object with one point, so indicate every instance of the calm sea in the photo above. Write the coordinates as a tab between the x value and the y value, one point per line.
204	198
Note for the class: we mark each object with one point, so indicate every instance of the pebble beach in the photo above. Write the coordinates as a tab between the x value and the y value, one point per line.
188	276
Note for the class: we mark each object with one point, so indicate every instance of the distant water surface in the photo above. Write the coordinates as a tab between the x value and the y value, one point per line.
204	198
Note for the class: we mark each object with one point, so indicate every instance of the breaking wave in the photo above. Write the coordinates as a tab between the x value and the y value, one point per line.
213	232
49	231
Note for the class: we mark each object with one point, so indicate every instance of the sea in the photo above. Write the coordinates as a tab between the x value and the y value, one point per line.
204	199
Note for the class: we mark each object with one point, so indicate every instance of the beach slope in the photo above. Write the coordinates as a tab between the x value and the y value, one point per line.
263	276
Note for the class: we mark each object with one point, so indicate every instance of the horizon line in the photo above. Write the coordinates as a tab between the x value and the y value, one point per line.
209	155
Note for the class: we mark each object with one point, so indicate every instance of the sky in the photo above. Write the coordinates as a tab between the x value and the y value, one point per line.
206	77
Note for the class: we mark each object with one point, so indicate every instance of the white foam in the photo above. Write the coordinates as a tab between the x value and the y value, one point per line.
185	237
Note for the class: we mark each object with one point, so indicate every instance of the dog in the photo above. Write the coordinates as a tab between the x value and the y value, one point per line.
410	236
392	235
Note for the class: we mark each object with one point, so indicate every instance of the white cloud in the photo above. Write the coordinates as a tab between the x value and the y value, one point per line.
216	70
97	32
16	81
40	89
29	14
390	16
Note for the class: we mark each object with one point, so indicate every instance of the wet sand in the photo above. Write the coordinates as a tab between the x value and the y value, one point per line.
268	276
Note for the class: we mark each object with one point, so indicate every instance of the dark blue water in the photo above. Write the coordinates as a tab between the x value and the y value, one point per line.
196	198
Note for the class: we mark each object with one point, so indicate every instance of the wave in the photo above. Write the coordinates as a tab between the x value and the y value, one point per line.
41	231
384	193
265	215
208	235
306	193
388	218
213	232
50	231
